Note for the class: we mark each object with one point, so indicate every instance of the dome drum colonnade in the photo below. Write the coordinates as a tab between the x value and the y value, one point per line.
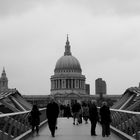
67	76
68	83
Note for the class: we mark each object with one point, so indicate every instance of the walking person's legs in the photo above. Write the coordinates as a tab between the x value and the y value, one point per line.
56	127
93	128
52	126
37	129
77	118
33	127
53	130
86	119
103	130
107	129
74	116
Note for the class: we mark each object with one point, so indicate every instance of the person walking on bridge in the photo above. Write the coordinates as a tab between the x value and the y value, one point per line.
75	111
93	116
85	112
52	112
105	119
35	119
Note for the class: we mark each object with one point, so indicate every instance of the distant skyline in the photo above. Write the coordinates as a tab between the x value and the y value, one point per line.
104	37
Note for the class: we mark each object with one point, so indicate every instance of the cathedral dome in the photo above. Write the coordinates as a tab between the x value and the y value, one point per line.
67	63
68	81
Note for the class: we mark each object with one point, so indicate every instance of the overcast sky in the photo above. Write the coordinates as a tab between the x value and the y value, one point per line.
104	37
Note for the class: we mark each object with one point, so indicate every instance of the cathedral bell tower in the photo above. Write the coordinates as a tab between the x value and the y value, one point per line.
3	81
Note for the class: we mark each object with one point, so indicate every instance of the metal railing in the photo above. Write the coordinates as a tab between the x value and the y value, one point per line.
127	122
13	125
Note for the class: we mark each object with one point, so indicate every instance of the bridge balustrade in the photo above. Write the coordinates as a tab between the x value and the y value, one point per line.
13	125
127	122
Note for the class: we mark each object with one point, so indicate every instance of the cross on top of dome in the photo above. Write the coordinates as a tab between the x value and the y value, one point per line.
67	47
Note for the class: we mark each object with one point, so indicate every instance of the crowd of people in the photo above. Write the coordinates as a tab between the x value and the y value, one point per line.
85	111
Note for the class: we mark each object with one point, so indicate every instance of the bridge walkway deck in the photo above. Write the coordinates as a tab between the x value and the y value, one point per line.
67	131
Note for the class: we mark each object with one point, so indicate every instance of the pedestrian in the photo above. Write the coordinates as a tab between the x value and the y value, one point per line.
80	114
85	112
93	116
105	119
35	119
67	111
52	112
75	112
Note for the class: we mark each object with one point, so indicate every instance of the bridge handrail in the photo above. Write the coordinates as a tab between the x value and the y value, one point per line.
125	111
127	122
13	125
17	113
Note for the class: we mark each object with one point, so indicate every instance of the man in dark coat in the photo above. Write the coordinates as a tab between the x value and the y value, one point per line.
93	116
52	113
105	119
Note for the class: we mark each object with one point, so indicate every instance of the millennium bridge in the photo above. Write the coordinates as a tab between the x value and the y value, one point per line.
15	126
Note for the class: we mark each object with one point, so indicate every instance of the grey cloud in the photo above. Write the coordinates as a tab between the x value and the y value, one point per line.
17	7
111	7
100	7
127	7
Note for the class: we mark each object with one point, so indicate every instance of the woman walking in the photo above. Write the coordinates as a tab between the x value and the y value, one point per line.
35	119
85	113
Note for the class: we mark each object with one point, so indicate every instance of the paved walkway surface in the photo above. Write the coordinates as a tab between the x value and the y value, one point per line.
67	131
